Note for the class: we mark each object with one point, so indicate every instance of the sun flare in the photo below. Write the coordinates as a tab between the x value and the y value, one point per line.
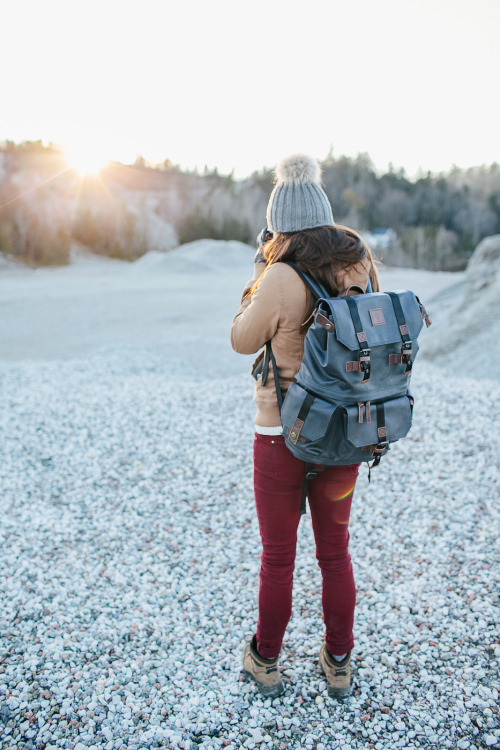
86	159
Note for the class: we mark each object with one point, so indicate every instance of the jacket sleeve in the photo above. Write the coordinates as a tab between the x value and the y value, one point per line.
258	317
258	270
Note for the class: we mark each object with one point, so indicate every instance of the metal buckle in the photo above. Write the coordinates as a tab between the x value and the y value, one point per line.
365	363
364	359
406	352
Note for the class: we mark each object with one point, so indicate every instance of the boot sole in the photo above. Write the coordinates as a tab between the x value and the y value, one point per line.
340	694
270	691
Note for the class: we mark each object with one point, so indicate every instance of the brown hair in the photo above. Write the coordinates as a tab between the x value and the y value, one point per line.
321	253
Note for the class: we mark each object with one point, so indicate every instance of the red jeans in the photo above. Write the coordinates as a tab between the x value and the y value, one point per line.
278	478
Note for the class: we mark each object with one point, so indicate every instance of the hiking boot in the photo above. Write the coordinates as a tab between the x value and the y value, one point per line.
265	672
337	673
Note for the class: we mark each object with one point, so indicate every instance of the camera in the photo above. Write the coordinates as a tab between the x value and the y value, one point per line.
264	236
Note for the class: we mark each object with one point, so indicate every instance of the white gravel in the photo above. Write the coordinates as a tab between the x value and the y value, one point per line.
130	555
129	548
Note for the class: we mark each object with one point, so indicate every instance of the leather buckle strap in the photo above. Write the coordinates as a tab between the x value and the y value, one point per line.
352	366
356	364
375	448
377	452
423	312
364	364
404	357
395	359
381	433
294	433
406	347
361	407
327	324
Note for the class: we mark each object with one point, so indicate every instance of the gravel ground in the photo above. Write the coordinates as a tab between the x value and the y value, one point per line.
130	555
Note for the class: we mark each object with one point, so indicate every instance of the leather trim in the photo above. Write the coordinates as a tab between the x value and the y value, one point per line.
328	325
377	316
294	433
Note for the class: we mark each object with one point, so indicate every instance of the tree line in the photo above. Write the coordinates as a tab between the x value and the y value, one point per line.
435	221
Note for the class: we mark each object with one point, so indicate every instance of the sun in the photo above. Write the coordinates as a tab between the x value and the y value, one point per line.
85	158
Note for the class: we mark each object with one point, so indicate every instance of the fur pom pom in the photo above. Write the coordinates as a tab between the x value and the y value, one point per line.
298	169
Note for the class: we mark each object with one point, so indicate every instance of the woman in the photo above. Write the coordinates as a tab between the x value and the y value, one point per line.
276	306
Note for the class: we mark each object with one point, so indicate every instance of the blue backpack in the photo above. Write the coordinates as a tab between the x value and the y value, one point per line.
350	399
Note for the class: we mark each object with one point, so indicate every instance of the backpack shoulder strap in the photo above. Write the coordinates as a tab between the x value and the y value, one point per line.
317	290
270	355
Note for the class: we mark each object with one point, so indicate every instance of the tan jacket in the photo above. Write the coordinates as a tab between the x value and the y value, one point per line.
278	310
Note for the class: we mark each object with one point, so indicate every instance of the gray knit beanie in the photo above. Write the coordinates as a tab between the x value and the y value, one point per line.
298	201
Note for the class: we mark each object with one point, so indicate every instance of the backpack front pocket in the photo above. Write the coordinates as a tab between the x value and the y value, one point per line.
318	431
368	425
309	424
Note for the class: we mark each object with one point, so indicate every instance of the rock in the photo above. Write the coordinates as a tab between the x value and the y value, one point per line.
472	319
490	740
483	269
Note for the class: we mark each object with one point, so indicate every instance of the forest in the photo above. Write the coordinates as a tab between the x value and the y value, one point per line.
46	208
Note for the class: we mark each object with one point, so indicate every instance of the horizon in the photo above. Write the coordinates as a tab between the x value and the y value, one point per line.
85	163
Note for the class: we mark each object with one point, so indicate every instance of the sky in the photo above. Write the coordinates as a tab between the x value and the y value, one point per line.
237	86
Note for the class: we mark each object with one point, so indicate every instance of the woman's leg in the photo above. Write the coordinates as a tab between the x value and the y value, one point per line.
330	496
278	477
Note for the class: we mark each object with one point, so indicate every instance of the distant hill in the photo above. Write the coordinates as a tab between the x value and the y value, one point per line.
127	210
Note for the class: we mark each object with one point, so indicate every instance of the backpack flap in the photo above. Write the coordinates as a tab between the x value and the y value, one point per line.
362	347
369	424
377	316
